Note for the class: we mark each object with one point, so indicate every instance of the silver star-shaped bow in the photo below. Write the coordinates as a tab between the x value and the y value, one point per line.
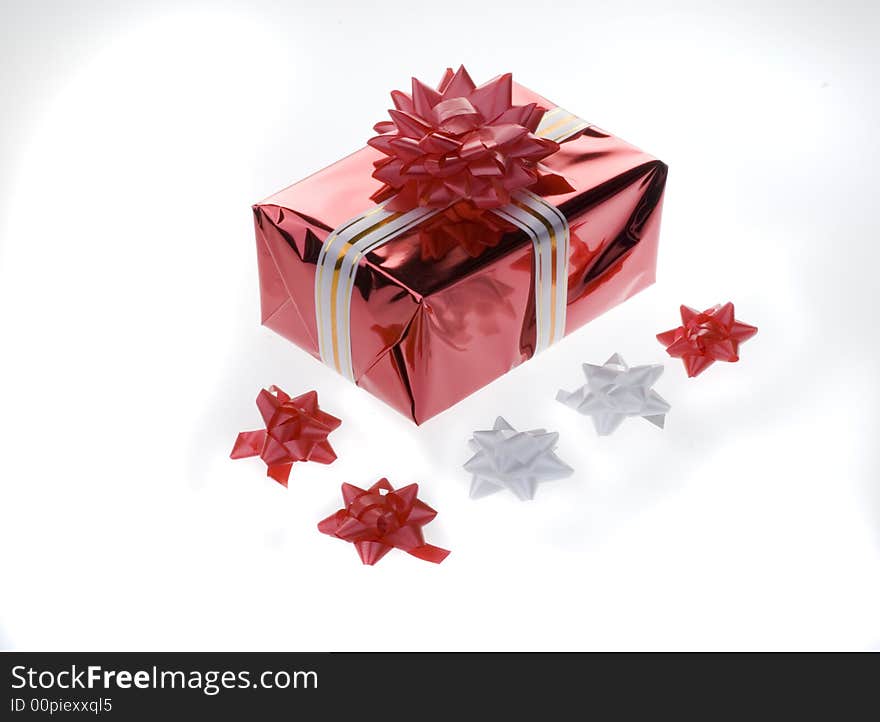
615	391
515	460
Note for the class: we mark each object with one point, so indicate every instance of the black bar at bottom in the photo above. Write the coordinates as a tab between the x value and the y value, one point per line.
389	686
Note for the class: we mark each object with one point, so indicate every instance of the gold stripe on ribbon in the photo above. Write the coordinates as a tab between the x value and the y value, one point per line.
319	271
548	229
560	125
551	234
334	286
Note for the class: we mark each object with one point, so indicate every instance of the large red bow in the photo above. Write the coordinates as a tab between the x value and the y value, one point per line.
379	519
703	338
296	430
461	143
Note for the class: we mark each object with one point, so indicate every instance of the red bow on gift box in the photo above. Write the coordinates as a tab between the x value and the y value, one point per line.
379	519
296	430
462	143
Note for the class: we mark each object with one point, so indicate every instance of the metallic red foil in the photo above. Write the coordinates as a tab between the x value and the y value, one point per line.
429	327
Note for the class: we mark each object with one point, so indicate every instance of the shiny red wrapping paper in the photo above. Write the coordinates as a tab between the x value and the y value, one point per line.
427	332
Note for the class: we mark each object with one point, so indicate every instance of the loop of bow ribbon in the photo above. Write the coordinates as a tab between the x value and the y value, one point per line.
296	430
379	519
462	144
705	337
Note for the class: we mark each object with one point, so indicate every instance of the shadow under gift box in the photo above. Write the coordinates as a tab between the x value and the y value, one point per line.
427	333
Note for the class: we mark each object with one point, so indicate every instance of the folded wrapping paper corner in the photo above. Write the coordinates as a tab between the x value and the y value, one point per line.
296	430
379	519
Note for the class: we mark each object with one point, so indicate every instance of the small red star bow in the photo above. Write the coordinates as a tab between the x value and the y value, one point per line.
296	430
379	519
713	335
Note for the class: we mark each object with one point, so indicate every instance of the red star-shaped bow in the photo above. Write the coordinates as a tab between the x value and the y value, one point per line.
379	519
713	335
296	430
462	143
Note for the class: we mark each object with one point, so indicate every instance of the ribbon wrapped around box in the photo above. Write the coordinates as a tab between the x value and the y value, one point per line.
479	227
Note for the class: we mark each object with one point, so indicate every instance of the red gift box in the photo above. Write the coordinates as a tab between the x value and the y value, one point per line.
449	305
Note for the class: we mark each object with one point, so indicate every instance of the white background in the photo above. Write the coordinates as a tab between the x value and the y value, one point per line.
133	138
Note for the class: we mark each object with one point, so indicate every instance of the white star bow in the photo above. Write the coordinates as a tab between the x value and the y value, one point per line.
615	391
514	460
